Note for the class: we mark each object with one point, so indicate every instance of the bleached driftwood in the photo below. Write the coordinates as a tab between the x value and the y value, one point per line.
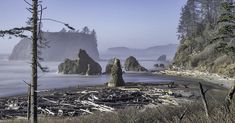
102	108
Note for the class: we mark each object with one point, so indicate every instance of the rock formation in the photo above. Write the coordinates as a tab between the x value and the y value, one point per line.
109	66
116	74
131	64
84	64
162	58
61	45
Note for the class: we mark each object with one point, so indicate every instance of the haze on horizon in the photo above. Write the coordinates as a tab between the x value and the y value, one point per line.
130	23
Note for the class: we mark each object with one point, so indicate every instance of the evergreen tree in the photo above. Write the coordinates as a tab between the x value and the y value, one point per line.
86	30
225	28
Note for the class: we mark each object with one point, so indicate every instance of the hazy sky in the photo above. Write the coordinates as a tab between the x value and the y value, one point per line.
130	23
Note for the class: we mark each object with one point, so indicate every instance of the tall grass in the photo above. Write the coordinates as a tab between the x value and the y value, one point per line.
163	114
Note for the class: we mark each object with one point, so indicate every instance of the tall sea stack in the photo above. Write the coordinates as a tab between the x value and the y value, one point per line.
116	74
61	44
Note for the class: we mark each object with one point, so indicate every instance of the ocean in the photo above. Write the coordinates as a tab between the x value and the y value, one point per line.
14	73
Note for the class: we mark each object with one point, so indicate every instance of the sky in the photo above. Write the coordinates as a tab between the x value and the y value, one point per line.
129	23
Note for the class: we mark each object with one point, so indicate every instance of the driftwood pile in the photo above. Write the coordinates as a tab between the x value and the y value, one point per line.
86	101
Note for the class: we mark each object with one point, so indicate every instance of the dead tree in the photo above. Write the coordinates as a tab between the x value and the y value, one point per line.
33	116
229	97
28	100
35	24
204	101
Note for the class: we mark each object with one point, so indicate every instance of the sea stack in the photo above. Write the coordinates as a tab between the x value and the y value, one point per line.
84	64
162	58
131	64
116	74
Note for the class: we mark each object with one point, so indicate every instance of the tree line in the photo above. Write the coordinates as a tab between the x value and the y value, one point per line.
85	30
206	32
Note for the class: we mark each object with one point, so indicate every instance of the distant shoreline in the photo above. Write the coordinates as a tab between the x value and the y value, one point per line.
208	77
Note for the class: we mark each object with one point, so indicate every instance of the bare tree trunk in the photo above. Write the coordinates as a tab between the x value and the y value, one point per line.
29	102
34	62
203	93
229	97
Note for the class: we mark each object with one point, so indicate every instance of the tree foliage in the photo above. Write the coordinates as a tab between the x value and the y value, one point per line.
206	28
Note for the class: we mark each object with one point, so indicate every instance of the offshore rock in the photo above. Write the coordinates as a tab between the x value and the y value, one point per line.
109	66
84	64
131	64
61	45
162	58
116	74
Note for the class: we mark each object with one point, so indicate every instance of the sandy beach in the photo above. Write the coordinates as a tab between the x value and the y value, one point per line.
208	77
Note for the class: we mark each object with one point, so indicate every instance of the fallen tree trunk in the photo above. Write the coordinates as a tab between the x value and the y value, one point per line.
229	97
204	101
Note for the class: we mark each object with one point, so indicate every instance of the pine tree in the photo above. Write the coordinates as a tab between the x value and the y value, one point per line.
225	28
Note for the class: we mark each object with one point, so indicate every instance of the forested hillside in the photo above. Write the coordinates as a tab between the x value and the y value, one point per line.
206	33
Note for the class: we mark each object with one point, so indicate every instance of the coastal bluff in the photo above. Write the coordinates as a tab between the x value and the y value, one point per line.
62	45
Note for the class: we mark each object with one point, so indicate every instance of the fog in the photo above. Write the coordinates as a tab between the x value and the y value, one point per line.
129	23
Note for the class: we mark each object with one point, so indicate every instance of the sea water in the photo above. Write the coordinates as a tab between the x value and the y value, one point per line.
14	73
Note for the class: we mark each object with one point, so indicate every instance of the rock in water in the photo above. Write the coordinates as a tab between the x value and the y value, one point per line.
83	65
131	64
61	45
109	66
162	58
116	73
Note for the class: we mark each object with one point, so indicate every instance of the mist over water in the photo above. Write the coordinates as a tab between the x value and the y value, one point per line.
13	73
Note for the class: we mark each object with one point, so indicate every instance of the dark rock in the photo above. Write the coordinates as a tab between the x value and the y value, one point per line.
116	73
83	65
131	64
162	58
109	66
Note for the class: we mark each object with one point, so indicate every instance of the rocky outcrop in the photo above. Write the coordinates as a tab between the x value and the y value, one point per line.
61	45
84	64
131	64
116	74
162	58
109	66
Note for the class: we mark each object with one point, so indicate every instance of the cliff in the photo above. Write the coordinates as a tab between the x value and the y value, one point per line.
61	45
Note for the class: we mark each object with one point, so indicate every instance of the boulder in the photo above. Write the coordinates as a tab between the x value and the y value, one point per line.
131	64
162	58
84	64
116	74
109	66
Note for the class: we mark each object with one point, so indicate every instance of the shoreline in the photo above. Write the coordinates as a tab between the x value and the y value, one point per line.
181	77
88	99
195	74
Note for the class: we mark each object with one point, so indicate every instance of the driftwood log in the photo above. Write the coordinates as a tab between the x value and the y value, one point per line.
204	101
229	97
